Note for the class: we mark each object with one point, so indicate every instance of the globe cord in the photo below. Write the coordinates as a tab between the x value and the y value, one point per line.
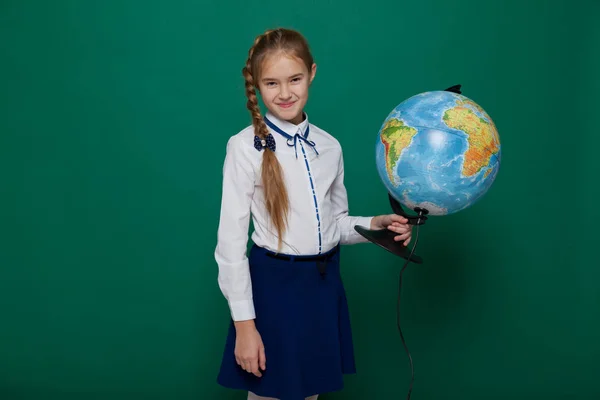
412	369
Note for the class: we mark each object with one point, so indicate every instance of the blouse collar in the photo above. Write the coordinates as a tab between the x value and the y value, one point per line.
290	132
287	127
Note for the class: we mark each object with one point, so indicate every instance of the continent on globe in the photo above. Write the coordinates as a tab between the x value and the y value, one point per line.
482	137
396	137
471	103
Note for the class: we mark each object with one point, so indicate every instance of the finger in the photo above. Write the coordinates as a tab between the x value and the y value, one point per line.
402	237
248	367
254	368
398	218
406	242
262	359
399	228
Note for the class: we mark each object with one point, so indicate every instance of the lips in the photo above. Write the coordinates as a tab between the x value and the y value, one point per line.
286	105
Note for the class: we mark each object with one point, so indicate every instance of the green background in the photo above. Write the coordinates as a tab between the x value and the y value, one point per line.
114	117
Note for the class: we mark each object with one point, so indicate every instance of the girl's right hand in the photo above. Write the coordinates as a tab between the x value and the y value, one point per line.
249	348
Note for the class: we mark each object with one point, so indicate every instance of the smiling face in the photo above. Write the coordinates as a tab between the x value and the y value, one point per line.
283	85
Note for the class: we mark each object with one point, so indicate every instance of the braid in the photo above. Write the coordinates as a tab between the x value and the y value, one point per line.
276	197
252	103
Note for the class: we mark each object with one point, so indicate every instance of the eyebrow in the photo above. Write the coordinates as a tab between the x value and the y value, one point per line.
291	77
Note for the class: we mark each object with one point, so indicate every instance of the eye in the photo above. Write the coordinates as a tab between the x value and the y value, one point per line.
298	79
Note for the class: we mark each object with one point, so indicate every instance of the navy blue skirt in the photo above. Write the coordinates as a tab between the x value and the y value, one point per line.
302	317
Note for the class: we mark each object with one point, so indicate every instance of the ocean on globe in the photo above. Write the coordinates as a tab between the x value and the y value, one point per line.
439	151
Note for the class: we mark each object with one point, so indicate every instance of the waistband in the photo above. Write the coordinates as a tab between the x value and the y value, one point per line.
301	258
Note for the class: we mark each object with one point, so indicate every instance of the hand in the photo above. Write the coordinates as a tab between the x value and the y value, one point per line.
395	223
249	349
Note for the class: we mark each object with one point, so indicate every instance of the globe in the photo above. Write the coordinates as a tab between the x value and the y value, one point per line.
438	151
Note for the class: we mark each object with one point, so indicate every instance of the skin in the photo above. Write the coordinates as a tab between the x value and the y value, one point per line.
284	88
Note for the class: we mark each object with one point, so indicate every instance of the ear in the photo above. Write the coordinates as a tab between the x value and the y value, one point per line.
313	72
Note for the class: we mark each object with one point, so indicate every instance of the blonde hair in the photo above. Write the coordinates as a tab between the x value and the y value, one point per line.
291	43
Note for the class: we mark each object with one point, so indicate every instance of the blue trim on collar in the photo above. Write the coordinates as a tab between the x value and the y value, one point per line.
281	131
292	140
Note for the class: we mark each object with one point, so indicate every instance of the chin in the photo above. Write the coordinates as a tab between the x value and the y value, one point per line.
289	115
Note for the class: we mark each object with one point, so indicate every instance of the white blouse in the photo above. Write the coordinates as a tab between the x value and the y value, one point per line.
318	219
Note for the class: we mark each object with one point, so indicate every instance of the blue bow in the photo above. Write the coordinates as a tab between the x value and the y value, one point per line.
268	142
292	140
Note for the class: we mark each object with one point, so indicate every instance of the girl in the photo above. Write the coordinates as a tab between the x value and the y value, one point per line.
290	335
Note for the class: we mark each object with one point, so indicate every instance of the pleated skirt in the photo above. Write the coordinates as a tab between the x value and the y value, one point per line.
303	319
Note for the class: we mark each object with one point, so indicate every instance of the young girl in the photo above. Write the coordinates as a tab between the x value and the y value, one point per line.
290	335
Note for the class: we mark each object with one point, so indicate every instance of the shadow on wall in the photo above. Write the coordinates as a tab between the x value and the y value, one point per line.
440	296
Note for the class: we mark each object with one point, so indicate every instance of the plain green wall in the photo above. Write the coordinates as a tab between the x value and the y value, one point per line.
114	117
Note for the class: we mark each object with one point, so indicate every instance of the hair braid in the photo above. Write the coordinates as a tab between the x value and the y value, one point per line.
275	192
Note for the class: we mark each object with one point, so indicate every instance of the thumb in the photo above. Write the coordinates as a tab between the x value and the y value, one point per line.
262	358
398	218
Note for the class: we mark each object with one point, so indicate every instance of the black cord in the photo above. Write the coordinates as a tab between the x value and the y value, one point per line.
412	379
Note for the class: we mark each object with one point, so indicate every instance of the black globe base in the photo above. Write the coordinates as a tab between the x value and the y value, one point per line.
384	238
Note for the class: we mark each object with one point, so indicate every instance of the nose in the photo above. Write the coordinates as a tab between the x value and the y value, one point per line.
285	93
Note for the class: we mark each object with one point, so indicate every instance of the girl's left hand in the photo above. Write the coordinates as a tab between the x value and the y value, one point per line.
395	223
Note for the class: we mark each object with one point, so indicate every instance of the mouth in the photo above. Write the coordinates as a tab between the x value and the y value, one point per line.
286	105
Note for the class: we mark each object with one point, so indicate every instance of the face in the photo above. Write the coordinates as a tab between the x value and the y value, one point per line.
284	86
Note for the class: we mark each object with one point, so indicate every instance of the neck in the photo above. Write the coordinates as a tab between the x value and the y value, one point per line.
298	119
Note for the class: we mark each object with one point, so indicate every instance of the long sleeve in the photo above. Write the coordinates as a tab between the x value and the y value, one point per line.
346	223
232	237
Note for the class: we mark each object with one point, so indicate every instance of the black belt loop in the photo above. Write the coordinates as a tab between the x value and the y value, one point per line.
322	267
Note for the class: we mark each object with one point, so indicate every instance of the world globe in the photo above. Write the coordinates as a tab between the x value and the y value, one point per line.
438	151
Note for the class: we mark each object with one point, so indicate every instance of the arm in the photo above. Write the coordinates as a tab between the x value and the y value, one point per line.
346	223
230	254
232	236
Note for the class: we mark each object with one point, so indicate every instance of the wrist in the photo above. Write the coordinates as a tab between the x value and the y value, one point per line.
375	222
244	325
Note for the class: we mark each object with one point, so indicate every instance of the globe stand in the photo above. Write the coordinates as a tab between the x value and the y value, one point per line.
385	237
454	89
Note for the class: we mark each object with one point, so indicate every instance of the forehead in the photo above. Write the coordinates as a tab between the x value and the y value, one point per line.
282	66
